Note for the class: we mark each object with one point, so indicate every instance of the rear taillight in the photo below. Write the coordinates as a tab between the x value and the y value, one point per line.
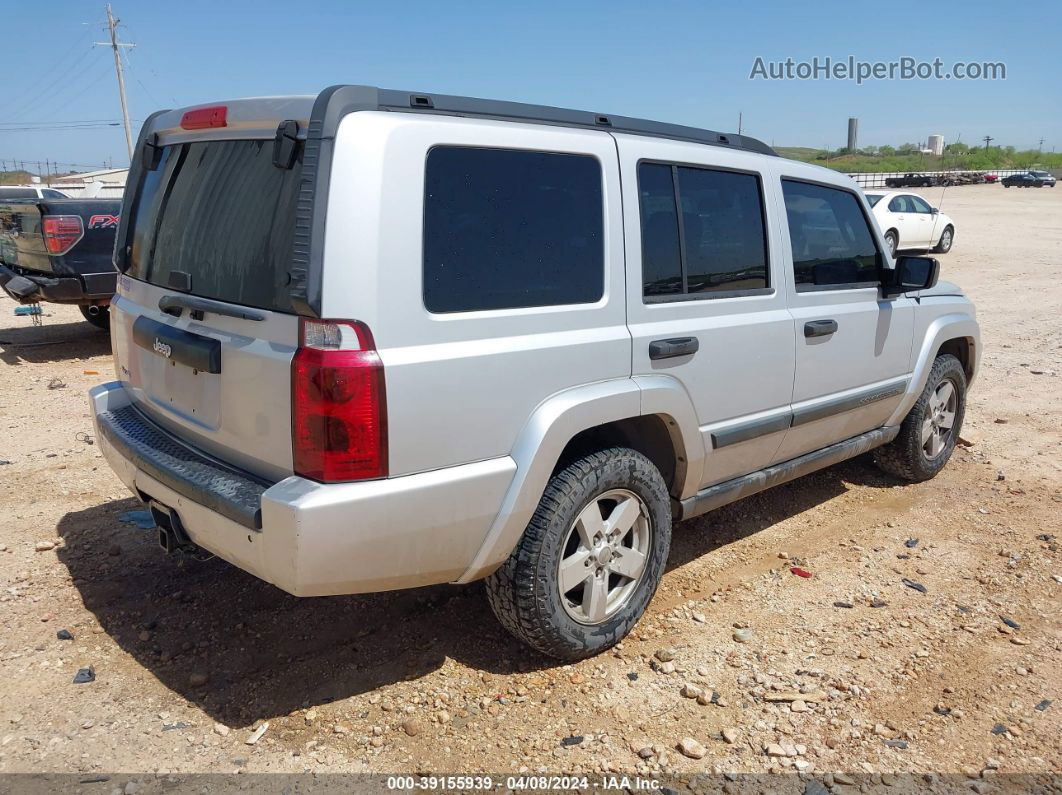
204	118
61	232
338	406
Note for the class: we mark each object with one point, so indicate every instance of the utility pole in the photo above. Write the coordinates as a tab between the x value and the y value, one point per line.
739	122
1040	148
114	44
987	139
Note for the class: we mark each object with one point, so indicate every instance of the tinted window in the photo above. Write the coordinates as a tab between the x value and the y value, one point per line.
920	205
720	245
832	243
18	193
661	259
508	228
901	204
873	198
48	193
221	212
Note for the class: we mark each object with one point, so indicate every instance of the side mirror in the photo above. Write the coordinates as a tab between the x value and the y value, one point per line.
934	210
910	273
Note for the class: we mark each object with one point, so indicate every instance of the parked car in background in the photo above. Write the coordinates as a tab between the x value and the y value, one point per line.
1026	180
8	192
59	250
910	181
1044	176
908	221
517	346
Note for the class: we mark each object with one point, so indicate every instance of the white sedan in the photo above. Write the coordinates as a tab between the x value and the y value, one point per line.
909	221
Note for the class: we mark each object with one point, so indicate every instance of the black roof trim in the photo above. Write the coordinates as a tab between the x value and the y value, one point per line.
342	100
337	102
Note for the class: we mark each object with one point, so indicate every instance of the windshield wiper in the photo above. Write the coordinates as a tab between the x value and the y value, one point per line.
175	304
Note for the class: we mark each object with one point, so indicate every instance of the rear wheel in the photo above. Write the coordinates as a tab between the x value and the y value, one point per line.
930	430
590	559
101	318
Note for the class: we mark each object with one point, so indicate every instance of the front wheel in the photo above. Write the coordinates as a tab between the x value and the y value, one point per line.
892	240
931	428
590	559
947	237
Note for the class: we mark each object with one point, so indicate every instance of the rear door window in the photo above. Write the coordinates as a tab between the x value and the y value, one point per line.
508	228
220	216
703	232
833	246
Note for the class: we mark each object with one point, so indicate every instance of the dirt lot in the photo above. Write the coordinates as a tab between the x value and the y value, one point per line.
190	657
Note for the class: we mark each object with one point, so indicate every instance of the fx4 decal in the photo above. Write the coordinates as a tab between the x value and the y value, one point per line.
103	222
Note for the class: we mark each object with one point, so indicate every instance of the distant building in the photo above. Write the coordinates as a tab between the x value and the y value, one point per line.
106	184
935	144
853	134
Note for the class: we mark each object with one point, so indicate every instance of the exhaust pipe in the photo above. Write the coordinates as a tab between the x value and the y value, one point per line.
94	310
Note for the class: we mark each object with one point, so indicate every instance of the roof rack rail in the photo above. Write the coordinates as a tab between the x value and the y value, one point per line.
337	101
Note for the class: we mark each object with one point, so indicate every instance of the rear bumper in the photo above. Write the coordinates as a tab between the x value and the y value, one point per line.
308	538
86	289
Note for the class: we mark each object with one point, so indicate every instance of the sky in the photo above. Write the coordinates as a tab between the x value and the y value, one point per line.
680	62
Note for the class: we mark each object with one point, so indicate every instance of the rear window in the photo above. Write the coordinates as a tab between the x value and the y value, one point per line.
18	193
874	198
507	228
224	215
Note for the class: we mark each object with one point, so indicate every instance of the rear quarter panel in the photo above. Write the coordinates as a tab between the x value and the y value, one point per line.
460	386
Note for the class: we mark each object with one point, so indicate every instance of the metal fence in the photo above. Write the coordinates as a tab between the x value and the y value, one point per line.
877	180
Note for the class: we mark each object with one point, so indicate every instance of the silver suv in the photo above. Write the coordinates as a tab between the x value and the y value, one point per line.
371	339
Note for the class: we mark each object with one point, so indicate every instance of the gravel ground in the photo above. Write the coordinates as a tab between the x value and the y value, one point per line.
190	658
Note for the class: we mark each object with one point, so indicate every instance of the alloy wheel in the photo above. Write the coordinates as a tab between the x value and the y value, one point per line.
604	555
939	420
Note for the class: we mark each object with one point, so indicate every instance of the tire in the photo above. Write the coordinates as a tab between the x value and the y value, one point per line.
913	457
525	593
101	320
947	239
892	240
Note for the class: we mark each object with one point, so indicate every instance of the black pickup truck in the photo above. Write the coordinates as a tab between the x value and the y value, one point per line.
910	181
60	250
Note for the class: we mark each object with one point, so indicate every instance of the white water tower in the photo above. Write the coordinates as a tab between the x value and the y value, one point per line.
935	144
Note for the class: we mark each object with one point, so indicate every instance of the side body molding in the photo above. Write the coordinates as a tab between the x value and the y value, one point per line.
554	423
951	326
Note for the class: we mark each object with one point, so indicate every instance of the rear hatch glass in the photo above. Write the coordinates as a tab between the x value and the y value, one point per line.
215	220
222	213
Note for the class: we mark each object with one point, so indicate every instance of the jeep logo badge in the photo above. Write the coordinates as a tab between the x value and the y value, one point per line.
163	348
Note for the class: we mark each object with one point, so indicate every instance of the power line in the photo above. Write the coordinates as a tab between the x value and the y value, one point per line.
75	85
52	69
47	93
57	128
67	121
